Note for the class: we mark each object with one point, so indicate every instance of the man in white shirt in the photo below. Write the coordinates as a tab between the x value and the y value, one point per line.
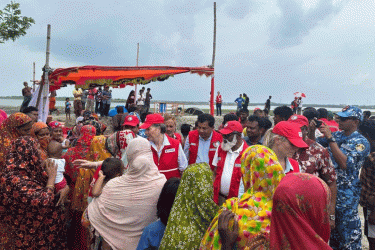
227	163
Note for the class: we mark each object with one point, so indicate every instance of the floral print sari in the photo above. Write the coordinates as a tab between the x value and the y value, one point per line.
8	133
192	211
27	207
261	174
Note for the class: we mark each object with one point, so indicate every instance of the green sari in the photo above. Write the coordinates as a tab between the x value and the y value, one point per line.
192	211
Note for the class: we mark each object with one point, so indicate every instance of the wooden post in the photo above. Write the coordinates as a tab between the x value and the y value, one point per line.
135	96
212	110
33	76
45	69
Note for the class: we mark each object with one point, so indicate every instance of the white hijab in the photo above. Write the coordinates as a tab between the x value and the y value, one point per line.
128	203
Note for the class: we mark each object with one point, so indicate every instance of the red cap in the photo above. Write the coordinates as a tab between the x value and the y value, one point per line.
292	132
230	127
131	120
300	120
152	119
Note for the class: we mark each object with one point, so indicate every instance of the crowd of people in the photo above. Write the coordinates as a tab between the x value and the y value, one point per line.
291	182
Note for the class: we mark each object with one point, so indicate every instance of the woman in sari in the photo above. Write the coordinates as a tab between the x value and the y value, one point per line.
3	116
96	153
27	199
16	125
192	211
77	234
261	175
42	134
128	203
118	142
300	217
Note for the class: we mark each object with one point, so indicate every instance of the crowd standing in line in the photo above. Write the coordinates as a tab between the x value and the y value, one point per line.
293	183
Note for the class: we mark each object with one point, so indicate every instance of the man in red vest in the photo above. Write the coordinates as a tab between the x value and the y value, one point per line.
168	153
201	144
227	163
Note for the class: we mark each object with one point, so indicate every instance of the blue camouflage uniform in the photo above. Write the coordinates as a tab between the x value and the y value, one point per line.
347	233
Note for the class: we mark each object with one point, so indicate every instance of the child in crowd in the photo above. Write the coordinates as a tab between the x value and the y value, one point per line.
111	168
54	151
68	106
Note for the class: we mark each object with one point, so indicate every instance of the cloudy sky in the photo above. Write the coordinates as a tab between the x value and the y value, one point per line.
324	48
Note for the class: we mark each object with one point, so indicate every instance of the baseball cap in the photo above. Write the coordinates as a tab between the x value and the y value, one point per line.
299	119
131	120
230	127
351	111
152	119
292	132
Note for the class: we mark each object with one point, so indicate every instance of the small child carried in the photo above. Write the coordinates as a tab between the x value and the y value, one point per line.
54	151
110	168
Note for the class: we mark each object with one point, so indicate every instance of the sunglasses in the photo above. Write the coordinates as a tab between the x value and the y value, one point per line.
343	119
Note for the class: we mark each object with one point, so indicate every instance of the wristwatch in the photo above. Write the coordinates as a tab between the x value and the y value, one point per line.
332	217
331	139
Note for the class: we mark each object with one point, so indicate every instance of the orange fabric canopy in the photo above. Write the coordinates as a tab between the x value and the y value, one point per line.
117	76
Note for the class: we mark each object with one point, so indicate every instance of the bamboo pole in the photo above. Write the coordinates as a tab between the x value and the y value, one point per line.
45	69
135	94
33	76
212	110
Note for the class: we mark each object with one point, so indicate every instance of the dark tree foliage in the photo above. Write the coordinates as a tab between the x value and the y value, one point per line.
12	24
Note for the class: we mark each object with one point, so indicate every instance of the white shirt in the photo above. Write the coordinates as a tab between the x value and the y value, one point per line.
288	166
141	99
182	161
60	169
229	165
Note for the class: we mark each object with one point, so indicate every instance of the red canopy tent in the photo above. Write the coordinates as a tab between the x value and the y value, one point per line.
118	77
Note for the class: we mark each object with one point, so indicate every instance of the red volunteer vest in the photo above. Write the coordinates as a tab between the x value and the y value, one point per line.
178	137
295	166
168	161
236	175
194	144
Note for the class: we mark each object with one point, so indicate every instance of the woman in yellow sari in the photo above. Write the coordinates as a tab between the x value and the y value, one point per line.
261	174
97	152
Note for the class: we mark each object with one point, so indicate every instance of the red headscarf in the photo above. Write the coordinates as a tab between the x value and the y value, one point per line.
300	213
9	132
54	124
80	151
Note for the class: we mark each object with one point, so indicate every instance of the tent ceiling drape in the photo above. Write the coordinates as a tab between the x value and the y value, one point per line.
118	77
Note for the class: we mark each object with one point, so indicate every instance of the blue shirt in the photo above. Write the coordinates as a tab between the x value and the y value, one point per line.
356	148
152	235
239	101
68	105
203	149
